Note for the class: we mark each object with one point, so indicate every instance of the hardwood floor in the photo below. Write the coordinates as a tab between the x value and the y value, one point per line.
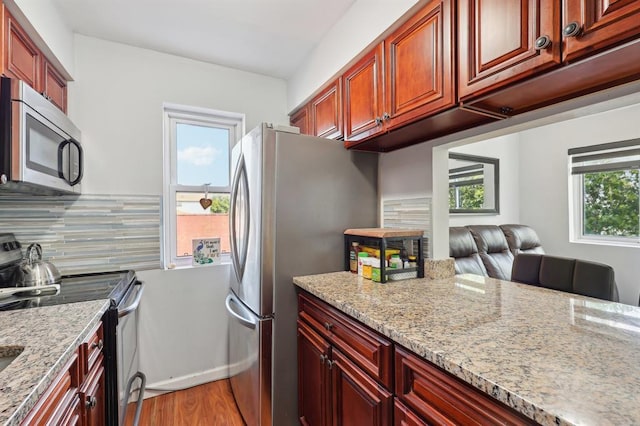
210	404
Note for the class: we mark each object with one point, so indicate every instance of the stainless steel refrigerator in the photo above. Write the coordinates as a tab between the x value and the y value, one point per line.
292	198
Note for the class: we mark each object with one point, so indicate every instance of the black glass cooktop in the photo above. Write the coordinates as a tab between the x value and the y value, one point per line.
77	288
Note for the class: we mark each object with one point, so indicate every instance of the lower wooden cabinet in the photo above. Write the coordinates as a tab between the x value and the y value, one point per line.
338	386
357	399
76	396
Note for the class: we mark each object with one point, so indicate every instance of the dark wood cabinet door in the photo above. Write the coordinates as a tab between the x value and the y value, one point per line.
92	397
497	42
326	112
313	377
364	96
301	119
599	24
21	56
54	86
357	398
403	416
419	58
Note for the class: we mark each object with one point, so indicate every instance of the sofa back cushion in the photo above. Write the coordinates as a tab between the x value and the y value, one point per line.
526	268
595	280
493	249
463	249
557	273
522	239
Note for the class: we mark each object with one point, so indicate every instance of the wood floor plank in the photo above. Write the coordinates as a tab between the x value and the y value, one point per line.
211	404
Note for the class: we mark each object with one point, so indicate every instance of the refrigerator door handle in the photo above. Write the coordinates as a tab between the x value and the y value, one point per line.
244	320
239	253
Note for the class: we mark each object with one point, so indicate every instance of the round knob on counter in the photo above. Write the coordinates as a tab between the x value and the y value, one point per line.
572	29
542	42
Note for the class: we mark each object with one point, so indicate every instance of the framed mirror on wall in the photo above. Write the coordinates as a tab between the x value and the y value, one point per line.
474	184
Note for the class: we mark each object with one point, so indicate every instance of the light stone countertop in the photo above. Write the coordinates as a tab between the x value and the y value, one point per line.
49	335
557	358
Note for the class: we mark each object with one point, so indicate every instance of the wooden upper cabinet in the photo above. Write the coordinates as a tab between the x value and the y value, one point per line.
301	119
363	96
21	56
419	59
326	112
598	24
504	41
54	85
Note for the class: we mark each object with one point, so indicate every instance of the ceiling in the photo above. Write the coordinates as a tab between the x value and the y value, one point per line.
270	37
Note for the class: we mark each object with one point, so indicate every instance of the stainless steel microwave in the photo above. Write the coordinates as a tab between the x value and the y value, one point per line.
39	145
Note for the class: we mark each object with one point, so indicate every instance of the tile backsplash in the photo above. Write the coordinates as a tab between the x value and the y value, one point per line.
89	233
413	213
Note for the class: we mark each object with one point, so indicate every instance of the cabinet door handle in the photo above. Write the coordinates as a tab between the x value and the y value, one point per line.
572	29
378	121
98	345
386	116
542	42
91	402
328	326
323	358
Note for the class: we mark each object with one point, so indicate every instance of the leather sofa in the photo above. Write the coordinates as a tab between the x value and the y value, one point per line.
564	274
489	249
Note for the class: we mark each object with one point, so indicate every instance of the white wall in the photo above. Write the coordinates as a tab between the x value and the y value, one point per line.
117	103
506	149
544	203
183	326
361	24
405	173
43	18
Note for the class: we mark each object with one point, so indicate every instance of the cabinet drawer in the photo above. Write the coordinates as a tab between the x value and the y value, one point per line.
403	416
58	400
91	349
441	398
370	351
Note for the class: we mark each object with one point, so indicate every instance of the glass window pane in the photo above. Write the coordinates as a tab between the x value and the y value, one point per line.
611	203
203	155
195	222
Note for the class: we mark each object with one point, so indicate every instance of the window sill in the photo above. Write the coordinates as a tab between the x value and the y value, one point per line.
224	261
610	243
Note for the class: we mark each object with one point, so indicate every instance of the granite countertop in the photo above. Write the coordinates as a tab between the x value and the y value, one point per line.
49	335
557	358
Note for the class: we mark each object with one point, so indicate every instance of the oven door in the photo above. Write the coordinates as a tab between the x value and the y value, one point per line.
127	357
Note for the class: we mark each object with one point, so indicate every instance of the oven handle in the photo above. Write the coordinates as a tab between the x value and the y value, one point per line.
134	305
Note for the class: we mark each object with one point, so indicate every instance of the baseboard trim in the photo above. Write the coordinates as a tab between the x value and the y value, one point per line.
184	382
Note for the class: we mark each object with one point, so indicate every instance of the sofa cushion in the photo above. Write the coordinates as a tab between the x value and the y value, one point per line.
526	268
463	249
557	273
493	249
522	239
595	280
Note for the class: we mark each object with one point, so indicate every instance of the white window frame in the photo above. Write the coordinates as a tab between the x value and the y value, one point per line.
576	213
174	114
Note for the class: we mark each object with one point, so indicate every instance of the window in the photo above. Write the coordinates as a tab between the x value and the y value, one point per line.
606	192
197	178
